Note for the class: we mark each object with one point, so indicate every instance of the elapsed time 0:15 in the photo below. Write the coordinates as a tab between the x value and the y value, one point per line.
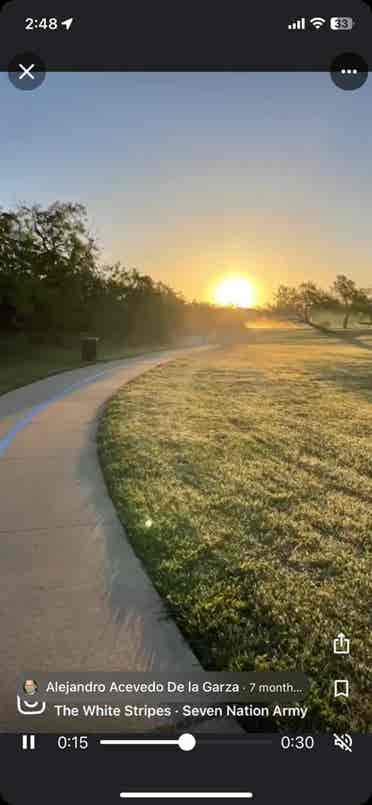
72	742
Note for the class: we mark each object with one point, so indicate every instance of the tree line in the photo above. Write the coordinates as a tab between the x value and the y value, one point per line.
51	280
302	302
52	283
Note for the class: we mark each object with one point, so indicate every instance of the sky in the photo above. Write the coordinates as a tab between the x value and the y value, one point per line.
192	177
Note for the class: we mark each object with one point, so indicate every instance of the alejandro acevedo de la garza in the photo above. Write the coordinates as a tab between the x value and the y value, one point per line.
154	686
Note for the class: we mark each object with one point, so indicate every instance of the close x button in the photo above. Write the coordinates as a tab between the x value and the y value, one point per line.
26	71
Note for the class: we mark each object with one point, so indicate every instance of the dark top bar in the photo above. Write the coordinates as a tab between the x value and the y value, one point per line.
202	35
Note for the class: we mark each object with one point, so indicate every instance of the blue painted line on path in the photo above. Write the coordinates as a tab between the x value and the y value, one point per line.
6	440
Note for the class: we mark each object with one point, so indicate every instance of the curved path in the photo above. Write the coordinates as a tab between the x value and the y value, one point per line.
73	595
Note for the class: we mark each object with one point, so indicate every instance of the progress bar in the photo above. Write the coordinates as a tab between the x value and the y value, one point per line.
139	742
186	742
187	795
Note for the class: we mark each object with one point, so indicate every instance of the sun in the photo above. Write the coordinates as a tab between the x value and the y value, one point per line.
234	291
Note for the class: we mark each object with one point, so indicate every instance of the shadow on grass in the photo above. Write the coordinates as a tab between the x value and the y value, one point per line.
349	375
286	337
345	336
308	334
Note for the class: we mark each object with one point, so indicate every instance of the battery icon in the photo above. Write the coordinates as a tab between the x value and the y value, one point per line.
341	23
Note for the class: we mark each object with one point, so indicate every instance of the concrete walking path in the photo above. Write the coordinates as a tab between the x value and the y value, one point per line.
73	595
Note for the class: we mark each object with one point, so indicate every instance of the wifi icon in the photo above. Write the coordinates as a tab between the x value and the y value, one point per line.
317	22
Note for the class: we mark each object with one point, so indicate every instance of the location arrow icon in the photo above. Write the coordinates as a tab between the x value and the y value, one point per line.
67	23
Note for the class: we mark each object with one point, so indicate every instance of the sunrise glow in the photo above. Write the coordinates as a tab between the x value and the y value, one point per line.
235	291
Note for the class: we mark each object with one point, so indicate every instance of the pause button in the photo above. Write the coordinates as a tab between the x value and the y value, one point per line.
28	741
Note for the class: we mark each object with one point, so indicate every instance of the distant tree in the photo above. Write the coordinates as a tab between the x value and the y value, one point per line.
308	297
299	302
353	299
285	301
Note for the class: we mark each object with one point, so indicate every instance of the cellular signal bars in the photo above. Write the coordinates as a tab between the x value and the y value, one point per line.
297	25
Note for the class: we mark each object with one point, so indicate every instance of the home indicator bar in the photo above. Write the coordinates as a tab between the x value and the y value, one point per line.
187	795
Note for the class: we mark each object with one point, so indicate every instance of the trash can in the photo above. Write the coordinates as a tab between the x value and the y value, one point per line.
89	349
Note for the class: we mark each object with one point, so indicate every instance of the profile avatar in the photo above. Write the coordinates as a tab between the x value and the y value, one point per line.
30	687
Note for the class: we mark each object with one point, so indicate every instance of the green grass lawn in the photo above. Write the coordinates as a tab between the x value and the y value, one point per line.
244	478
22	362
